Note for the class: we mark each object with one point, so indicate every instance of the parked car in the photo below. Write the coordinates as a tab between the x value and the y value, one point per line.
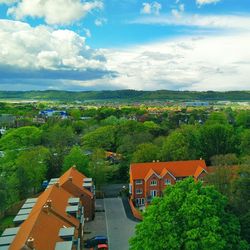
95	241
100	247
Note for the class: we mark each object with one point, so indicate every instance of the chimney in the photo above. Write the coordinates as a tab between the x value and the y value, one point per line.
46	209
153	160
49	203
158	161
200	158
74	166
30	243
70	178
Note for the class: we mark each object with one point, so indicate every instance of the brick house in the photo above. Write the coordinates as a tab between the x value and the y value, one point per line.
54	222
148	180
78	185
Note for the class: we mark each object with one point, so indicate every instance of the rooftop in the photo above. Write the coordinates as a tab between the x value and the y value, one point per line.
176	168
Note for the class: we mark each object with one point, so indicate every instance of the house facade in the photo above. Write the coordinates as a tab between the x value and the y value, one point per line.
148	180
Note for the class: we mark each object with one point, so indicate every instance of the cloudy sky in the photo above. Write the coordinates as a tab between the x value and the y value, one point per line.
121	44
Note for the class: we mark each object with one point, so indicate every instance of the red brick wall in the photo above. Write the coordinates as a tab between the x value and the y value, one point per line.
149	187
136	186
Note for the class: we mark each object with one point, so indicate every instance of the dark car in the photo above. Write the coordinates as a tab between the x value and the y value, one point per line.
92	242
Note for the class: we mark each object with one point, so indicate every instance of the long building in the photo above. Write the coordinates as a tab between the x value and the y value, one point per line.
54	220
148	180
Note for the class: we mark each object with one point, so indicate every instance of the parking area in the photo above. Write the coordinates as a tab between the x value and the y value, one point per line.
111	221
98	226
119	227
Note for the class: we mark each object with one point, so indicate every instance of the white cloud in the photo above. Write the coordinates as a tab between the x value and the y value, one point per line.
27	49
201	2
87	32
184	63
202	21
54	11
151	8
177	13
100	21
8	2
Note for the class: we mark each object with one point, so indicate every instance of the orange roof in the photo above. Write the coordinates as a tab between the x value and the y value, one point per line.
44	226
176	168
73	176
198	171
150	173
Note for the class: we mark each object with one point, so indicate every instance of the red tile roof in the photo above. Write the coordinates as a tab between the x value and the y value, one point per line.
176	168
73	176
44	226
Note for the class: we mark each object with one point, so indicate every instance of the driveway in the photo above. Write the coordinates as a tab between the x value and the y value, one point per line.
119	227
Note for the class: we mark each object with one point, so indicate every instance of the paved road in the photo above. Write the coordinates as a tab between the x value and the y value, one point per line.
119	227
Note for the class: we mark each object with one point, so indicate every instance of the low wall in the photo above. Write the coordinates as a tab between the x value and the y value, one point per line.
135	212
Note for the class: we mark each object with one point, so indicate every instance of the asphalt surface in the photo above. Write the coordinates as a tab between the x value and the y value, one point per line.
98	226
119	227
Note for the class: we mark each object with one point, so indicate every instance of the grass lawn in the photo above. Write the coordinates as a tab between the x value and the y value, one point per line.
6	222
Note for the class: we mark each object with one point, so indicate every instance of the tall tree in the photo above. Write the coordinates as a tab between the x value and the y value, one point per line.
188	216
78	158
146	152
31	169
182	144
20	138
217	139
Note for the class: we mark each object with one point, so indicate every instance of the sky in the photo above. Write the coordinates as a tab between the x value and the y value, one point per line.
78	45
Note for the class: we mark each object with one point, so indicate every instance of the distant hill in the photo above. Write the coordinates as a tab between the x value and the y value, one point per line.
126	95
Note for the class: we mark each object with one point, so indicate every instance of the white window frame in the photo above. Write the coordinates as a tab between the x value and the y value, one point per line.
167	182
138	182
153	182
138	191
140	201
153	193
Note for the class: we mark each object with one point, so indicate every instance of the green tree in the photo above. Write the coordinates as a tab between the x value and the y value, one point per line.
217	139
58	136
78	158
240	201
20	138
146	152
31	169
182	144
189	216
224	160
243	118
217	118
99	168
103	137
75	113
245	142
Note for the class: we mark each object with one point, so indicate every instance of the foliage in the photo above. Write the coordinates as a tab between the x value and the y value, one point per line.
31	170
145	152
190	216
217	139
224	160
78	158
103	137
21	137
182	144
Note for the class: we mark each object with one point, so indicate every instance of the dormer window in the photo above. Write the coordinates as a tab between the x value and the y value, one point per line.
72	210
153	183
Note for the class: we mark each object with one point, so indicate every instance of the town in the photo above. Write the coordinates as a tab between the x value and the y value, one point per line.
99	176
